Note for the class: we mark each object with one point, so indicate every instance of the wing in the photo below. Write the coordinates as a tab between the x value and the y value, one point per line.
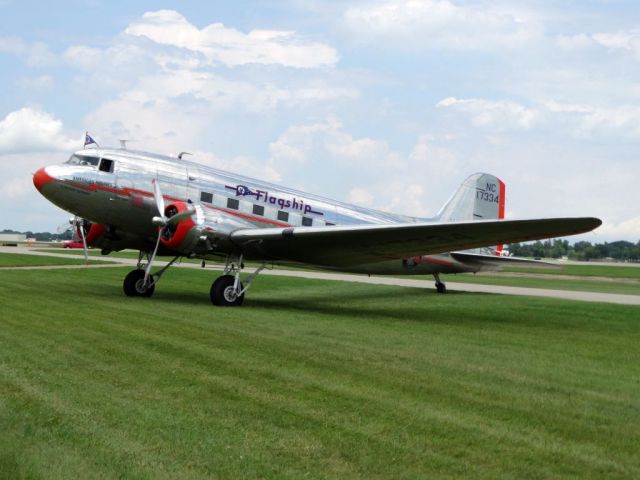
351	245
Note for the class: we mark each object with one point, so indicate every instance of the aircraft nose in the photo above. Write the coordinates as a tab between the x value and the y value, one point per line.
41	178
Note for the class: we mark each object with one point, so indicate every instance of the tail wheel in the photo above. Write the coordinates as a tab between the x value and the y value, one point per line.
134	286
223	294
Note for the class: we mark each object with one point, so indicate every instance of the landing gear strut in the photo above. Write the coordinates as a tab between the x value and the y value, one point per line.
134	284
228	290
440	286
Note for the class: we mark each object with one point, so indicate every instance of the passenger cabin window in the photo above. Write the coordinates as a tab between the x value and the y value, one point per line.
283	216
106	165
258	210
233	203
206	197
307	222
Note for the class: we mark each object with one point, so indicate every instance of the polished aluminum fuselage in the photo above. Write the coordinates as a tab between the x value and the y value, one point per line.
121	197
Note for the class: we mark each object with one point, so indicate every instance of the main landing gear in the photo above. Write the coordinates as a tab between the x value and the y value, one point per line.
135	284
440	286
226	291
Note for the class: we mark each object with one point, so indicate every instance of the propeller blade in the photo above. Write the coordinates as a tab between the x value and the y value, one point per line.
157	196
162	221
178	217
69	225
147	271
84	240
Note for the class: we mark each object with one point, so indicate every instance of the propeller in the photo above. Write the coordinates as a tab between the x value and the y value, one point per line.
65	227
80	227
163	222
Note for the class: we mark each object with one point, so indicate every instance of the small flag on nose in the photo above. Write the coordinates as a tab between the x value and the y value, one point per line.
88	140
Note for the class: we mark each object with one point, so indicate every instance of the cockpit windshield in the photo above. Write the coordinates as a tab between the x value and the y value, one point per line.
82	160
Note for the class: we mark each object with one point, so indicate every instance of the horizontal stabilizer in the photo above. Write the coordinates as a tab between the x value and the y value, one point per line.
495	262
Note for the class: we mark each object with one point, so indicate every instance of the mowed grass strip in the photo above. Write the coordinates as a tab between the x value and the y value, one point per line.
25	260
585	270
623	280
91	252
128	254
615	285
310	379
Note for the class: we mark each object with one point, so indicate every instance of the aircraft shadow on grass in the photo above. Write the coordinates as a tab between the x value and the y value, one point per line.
397	306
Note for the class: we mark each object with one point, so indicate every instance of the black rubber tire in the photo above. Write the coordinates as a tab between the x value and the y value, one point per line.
441	288
133	287
217	292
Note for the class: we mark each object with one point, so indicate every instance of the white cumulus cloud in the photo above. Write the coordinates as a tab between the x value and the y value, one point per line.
627	41
32	130
42	82
629	229
227	46
34	54
500	115
367	171
591	118
434	24
577	119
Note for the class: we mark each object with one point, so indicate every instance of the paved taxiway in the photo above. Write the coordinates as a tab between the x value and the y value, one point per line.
404	282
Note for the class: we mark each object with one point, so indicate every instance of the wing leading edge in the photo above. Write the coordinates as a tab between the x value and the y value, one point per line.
341	246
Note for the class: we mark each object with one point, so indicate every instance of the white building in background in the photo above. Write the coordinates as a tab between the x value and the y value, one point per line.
12	238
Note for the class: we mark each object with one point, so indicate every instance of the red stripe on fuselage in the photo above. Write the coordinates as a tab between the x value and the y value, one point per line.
127	191
249	217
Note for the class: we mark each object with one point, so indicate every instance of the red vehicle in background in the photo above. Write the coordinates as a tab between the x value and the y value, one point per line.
72	244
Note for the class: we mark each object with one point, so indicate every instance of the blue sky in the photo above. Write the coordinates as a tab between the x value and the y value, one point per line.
388	103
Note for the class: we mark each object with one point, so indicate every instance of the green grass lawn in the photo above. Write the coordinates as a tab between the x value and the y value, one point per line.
532	278
130	254
310	379
23	260
585	270
92	252
531	281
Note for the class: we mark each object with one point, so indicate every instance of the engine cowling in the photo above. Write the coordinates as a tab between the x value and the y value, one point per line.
92	231
182	236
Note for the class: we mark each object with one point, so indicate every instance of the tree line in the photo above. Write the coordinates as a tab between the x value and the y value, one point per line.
621	250
43	236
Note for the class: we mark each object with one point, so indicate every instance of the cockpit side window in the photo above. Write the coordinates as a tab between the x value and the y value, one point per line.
106	165
82	160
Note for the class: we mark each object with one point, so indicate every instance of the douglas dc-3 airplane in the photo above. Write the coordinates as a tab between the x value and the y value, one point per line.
167	206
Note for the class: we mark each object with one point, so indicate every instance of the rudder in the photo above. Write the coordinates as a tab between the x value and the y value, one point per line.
480	197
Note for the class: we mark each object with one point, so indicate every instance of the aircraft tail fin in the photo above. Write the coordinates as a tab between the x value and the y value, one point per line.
480	197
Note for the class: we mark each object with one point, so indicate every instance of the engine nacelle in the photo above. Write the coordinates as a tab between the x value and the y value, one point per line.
183	236
92	231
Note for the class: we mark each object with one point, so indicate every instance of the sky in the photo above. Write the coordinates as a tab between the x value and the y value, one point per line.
389	104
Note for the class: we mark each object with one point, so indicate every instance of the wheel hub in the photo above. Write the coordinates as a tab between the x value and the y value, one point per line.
230	294
141	287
